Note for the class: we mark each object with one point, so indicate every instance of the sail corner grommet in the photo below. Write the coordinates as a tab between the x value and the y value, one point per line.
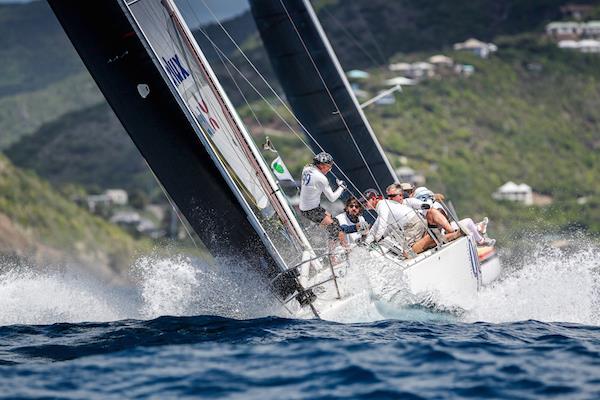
143	90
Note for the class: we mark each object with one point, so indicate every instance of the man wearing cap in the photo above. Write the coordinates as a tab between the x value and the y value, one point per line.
315	183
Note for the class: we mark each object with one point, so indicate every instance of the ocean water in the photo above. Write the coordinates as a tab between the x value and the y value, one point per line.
187	330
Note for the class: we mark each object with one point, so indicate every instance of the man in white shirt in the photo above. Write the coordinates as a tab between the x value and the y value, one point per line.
315	183
352	222
397	215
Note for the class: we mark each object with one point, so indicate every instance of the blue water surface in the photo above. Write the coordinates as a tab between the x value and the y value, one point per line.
277	358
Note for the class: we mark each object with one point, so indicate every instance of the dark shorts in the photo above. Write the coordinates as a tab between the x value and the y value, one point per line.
315	215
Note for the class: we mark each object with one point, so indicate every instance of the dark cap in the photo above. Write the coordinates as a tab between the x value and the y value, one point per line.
371	193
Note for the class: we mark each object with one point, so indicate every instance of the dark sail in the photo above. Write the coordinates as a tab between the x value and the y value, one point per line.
119	62
318	91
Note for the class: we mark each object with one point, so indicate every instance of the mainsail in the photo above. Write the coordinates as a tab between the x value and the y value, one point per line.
159	84
319	92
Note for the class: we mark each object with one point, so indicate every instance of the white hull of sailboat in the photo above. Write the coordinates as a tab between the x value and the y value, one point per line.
490	270
444	278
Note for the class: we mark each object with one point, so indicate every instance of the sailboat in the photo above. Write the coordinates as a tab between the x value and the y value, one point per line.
158	82
321	97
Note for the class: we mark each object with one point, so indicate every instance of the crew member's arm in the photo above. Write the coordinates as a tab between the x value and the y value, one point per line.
330	194
349	228
380	225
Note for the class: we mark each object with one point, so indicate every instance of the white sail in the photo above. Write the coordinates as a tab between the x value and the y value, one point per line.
192	83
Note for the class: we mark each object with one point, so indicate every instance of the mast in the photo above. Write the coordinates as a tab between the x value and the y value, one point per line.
318	91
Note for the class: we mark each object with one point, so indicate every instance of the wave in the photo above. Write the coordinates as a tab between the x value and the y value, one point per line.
177	286
547	284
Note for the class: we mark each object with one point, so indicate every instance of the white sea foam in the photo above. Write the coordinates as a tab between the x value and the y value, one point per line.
547	285
162	286
28	296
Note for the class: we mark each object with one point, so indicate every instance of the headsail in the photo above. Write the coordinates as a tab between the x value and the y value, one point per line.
159	84
318	91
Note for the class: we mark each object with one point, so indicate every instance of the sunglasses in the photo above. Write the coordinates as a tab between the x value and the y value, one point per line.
392	195
354	206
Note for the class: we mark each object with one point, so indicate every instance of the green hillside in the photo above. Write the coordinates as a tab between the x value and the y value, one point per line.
528	114
89	148
509	121
46	218
33	48
23	113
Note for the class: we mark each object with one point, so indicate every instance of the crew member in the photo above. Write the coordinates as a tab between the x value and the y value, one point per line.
315	183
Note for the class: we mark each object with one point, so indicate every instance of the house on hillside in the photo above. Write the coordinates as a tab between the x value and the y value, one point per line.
591	30
464	69
477	47
117	196
441	61
357	74
564	30
510	191
401	67
576	11
589	46
418	70
400	80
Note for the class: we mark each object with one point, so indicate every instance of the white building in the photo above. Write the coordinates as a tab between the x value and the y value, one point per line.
589	46
511	191
591	29
564	30
441	61
477	47
400	80
117	196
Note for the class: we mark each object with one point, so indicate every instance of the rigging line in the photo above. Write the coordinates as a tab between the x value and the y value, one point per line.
350	36
360	194
239	90
329	94
250	174
259	74
339	112
273	91
362	17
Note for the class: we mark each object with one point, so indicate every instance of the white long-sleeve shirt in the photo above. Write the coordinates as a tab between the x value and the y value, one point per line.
391	215
314	183
343	219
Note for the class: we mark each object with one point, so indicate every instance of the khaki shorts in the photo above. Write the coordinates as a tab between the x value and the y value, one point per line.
414	230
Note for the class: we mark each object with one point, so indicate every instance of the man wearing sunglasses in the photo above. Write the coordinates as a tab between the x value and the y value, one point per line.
352	222
399	219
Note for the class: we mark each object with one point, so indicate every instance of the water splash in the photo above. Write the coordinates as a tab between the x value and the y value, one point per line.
548	284
176	286
32	297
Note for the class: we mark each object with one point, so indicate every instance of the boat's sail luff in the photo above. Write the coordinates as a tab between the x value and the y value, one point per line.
304	62
118	62
195	84
268	182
